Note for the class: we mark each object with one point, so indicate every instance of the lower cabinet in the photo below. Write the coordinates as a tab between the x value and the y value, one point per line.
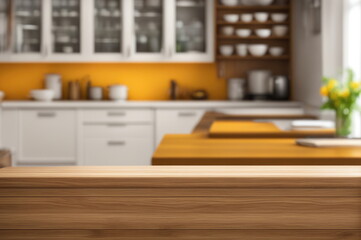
118	152
176	121
41	137
47	136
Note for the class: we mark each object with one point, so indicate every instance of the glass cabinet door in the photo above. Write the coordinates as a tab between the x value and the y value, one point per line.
148	26
4	25
66	26
108	26
191	26
27	26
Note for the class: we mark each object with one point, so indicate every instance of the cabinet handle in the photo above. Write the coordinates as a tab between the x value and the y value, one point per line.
129	50
116	125
116	114
46	114
187	114
116	143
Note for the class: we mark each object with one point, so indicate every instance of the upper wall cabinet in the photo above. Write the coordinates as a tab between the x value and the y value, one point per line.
106	31
192	36
4	26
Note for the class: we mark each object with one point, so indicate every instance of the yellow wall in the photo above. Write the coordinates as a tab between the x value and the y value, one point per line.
145	81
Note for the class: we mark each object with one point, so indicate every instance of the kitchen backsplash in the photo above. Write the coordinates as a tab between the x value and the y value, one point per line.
145	81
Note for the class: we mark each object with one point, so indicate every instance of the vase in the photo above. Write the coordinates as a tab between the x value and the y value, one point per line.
343	123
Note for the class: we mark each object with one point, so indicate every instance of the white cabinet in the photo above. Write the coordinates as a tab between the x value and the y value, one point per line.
41	137
108	31
180	121
191	24
117	137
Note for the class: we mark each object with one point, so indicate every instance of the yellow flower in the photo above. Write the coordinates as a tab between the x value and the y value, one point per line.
324	91
345	93
332	84
355	85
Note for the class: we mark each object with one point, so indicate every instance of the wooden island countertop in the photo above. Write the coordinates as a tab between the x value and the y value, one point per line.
199	150
188	203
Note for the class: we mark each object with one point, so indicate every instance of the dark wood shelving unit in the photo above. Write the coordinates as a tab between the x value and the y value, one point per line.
237	66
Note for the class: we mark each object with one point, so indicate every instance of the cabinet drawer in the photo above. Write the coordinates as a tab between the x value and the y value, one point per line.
118	152
118	115
95	130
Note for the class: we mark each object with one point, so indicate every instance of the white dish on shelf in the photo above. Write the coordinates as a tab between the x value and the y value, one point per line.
261	16
231	18
246	17
276	51
43	95
258	50
279	17
229	2
242	32
263	33
226	50
242	49
227	30
280	30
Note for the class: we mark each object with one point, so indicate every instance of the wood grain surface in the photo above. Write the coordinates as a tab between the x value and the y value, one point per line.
193	150
269	203
181	234
250	129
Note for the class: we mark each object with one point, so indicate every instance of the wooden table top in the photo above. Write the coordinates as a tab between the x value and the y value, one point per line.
252	129
178	176
191	150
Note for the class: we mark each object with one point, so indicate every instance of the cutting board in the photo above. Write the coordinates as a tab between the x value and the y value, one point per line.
252	129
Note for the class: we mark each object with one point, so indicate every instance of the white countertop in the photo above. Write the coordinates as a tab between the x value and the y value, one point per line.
149	104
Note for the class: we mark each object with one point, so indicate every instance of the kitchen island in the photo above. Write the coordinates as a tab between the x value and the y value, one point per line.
180	203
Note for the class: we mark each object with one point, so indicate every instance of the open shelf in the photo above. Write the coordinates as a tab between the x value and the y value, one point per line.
238	66
252	23
252	58
254	8
253	38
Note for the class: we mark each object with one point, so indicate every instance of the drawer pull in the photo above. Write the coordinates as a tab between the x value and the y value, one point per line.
116	125
46	114
187	114
116	114
116	143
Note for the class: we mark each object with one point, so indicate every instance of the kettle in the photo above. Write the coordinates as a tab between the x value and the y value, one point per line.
279	88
